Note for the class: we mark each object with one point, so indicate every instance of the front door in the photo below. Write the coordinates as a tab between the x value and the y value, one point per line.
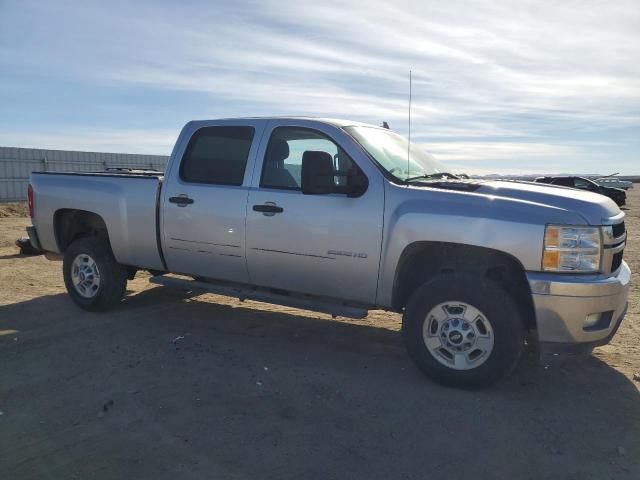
205	202
325	245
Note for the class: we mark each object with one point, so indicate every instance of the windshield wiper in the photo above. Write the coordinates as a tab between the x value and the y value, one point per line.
432	175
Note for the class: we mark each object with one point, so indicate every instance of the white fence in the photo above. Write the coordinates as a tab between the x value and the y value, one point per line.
16	164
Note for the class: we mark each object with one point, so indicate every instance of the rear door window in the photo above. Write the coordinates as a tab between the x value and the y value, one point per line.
217	155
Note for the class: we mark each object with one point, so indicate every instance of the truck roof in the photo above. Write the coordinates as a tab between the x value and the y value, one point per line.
330	121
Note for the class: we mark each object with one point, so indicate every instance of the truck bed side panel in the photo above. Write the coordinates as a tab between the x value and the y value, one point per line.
127	204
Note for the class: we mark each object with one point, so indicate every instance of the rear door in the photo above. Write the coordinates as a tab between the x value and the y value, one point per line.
205	199
325	245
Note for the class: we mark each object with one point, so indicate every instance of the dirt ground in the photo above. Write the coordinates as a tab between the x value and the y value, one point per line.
173	386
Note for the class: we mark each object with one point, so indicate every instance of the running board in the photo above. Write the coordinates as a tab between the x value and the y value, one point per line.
313	304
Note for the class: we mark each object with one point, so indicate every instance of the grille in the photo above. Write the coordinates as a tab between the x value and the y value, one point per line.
618	229
616	262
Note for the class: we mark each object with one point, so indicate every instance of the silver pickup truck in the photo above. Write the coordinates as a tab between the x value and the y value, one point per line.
342	217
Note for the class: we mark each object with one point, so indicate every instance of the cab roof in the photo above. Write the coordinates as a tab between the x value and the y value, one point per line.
336	122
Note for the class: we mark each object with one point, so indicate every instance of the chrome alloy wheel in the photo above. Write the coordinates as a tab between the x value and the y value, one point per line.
85	275
458	335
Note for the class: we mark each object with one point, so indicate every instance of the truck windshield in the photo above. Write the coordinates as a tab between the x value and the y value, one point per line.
390	151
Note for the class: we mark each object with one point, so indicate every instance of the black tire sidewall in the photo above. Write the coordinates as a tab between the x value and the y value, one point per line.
494	303
112	275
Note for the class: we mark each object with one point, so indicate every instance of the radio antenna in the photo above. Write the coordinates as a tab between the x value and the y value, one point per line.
409	143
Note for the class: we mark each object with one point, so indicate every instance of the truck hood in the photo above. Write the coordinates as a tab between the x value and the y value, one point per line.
593	207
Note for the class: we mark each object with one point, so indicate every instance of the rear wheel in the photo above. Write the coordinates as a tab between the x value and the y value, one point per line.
94	280
463	331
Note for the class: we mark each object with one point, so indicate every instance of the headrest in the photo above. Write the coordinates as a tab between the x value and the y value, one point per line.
278	150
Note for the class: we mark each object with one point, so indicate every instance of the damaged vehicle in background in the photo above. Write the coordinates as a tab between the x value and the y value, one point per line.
614	182
618	195
342	217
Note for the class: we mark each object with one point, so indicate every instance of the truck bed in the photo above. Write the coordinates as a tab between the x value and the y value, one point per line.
127	202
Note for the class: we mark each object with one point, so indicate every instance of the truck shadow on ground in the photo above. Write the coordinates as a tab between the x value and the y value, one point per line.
244	382
13	255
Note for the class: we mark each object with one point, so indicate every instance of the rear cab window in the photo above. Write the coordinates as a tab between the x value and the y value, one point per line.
217	155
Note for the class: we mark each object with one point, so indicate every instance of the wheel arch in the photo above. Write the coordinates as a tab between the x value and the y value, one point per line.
423	260
70	224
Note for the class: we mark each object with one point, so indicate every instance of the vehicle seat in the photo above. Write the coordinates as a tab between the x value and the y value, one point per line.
275	174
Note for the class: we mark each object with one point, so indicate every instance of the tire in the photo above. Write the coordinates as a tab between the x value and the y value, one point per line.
474	355
95	282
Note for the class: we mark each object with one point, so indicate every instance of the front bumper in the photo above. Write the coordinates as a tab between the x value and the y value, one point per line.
575	313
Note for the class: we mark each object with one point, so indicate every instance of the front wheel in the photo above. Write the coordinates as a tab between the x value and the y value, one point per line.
463	331
94	280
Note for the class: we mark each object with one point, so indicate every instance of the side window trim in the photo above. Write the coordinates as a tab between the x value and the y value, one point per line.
186	151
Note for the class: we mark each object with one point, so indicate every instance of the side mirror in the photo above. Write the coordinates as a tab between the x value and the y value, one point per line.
317	175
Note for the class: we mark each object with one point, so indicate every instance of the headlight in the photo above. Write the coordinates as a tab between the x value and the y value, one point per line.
571	249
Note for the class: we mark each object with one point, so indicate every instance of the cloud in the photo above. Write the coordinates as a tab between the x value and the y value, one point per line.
526	77
154	142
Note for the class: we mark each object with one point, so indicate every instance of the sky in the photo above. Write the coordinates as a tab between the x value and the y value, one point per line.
498	86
